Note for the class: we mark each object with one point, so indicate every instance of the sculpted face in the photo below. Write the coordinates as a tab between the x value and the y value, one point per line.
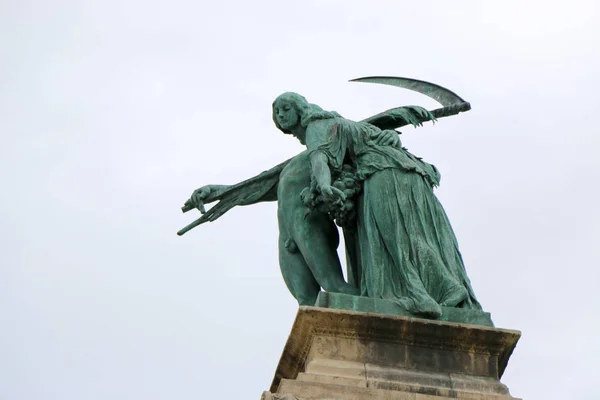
286	115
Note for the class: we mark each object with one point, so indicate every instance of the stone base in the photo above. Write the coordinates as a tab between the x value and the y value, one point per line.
340	301
348	355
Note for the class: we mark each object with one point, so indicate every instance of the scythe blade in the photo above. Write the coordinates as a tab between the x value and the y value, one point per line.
440	94
453	104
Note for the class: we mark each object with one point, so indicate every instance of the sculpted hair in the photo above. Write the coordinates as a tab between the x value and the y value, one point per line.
308	112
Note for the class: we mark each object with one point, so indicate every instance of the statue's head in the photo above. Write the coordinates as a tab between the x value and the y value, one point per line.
291	111
288	110
292	114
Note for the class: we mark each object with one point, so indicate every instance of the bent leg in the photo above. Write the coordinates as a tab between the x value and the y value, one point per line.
297	276
317	239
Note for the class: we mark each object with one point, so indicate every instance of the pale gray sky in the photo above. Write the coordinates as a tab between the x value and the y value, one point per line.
112	112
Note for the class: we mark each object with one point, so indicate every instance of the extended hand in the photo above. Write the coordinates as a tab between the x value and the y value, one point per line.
387	137
332	195
198	198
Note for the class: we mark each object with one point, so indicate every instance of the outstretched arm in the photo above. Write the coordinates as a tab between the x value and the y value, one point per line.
262	187
205	194
247	195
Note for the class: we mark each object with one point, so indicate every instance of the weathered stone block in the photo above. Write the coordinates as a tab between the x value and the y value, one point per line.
347	355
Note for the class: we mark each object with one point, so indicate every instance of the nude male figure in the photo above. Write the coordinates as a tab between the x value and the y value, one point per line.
307	242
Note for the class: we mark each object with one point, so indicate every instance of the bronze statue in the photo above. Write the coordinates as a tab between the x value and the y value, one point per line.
399	242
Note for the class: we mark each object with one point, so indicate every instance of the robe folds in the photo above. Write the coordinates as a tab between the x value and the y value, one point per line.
404	246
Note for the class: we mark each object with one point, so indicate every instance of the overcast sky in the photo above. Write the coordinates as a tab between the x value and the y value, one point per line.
113	112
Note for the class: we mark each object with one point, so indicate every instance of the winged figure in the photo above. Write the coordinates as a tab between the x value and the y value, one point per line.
399	243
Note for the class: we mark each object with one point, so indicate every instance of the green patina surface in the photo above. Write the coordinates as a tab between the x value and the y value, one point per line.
341	301
402	255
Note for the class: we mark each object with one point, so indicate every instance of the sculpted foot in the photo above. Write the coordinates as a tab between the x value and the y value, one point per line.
456	297
427	308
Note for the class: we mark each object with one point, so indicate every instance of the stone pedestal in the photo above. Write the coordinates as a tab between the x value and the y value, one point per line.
350	355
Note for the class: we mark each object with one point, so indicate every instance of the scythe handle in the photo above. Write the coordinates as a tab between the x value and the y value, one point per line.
451	110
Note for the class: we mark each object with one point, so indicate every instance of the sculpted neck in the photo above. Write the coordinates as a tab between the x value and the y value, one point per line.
299	132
